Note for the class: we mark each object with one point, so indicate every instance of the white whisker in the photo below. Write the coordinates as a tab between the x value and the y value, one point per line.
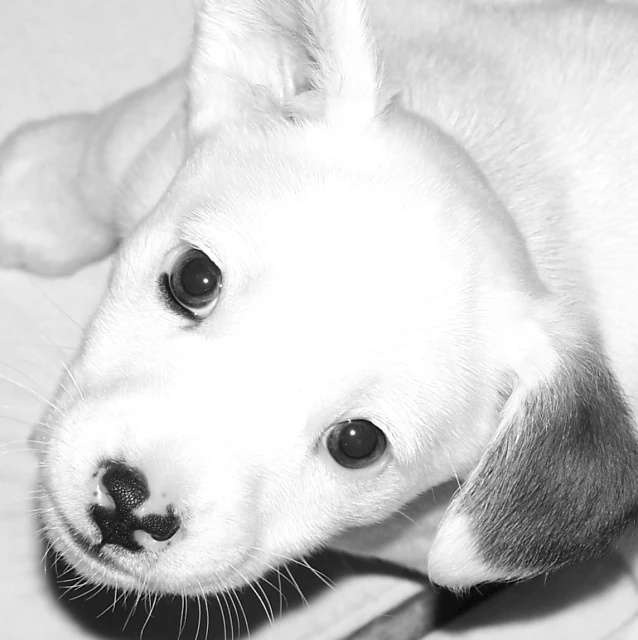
55	304
32	392
234	601
292	580
223	614
149	616
74	381
199	615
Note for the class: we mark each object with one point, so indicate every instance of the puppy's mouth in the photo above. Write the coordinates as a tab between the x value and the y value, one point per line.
95	551
104	564
84	554
102	551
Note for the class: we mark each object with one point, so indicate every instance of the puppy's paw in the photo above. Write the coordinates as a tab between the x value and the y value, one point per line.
46	225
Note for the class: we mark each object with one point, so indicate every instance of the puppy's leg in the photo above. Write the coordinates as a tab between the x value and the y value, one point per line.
72	185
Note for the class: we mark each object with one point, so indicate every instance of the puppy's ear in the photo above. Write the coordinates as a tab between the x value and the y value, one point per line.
558	482
270	54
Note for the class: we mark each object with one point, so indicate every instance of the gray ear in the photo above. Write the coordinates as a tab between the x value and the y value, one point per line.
264	54
558	483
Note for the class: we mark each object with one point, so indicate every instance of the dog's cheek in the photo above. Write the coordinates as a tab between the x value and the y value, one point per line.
324	502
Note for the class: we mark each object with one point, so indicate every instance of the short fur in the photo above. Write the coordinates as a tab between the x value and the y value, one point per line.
425	216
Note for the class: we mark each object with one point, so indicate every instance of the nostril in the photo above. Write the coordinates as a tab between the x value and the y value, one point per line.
160	528
126	486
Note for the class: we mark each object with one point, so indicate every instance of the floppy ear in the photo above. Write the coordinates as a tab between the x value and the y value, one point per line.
271	54
558	482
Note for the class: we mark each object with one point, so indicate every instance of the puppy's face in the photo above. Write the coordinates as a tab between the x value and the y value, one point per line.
328	314
328	372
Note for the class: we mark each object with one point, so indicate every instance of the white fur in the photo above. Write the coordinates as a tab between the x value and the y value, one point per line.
403	236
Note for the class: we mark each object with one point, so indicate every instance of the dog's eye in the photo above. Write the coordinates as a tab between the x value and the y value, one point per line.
356	444
193	281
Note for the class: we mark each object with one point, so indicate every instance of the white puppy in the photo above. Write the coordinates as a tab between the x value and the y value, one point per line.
388	246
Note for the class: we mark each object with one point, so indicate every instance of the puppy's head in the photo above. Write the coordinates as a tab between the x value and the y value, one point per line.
328	314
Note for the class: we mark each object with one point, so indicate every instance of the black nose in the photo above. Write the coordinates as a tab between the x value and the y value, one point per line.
128	489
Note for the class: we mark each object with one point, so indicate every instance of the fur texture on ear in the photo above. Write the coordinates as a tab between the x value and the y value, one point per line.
279	55
557	484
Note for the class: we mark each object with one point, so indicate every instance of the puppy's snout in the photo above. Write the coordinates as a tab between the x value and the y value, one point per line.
122	495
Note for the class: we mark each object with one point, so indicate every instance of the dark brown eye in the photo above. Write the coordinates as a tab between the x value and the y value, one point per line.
194	282
356	444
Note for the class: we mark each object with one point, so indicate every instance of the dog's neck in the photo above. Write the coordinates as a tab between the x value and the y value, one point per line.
469	96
